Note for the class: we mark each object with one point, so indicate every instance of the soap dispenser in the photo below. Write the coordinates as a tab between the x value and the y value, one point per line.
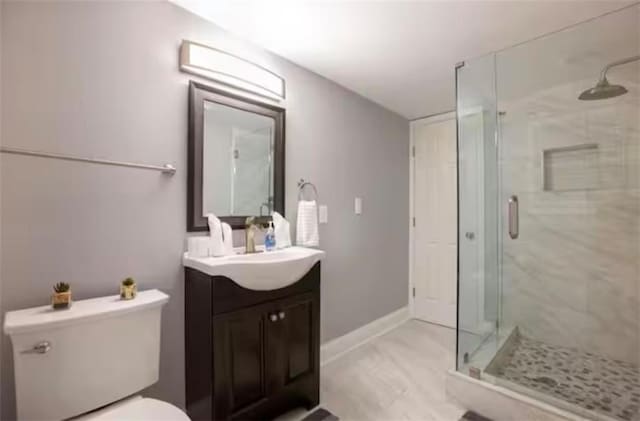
270	238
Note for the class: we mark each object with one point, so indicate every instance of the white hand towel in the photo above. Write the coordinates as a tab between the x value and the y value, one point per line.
281	231
227	238
215	233
307	228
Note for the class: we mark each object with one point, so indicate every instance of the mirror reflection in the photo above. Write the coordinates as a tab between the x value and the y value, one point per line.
238	173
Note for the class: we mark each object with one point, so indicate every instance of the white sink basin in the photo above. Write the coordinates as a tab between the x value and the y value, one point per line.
259	271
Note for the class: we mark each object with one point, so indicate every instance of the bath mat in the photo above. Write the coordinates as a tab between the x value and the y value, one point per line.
320	414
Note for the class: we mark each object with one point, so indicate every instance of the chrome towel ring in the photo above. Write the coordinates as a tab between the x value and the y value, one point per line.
302	184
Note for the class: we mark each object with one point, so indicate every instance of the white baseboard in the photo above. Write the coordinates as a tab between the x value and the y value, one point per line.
343	344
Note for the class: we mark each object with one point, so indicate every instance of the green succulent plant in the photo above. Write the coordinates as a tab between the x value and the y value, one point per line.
61	287
128	282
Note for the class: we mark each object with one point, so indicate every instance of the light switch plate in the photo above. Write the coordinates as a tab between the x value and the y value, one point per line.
323	214
358	206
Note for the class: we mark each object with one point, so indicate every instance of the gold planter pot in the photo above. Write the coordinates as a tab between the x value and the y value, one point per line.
61	300
128	292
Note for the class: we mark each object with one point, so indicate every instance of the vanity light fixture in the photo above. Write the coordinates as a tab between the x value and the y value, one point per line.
231	70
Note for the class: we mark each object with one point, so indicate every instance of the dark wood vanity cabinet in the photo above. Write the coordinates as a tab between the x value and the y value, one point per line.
250	354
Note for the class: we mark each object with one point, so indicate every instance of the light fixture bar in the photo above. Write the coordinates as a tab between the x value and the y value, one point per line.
229	69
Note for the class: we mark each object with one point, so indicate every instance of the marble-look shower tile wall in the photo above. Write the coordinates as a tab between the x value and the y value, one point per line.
572	277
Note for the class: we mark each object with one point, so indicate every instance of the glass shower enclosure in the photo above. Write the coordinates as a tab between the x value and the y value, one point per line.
549	217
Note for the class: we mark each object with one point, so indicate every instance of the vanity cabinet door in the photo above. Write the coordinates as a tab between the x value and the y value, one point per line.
298	339
240	378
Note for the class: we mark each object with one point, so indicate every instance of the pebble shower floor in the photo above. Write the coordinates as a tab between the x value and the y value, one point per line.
594	382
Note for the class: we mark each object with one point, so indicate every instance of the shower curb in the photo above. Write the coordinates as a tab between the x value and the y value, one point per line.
499	403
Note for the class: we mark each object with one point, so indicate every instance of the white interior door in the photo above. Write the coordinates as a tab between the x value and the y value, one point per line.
434	276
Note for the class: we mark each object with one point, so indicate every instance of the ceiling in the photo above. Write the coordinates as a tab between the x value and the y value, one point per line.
399	54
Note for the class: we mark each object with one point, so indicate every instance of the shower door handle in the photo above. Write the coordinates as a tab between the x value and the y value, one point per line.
514	223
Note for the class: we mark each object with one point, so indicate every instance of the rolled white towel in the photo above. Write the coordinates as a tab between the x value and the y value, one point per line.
227	239
307	228
198	246
281	231
215	233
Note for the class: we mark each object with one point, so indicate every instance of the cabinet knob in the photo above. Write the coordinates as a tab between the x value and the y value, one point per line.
273	317
281	315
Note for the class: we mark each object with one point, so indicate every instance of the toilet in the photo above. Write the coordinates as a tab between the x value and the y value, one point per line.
90	361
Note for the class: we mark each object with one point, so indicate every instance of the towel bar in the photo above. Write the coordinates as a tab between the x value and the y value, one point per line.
165	169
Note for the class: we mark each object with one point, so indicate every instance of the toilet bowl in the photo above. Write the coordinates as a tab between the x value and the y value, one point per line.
89	362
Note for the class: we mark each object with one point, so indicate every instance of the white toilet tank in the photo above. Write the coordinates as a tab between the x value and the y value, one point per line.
68	362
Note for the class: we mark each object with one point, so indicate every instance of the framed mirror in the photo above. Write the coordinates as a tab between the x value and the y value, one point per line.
236	158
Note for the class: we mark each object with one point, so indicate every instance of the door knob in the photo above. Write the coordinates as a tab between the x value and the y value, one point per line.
273	317
281	315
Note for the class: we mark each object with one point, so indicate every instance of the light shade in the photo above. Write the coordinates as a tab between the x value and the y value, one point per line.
230	70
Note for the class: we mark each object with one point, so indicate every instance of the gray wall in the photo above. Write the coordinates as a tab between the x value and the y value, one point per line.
101	79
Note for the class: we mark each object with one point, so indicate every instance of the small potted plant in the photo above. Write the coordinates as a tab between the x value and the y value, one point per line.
61	297
128	289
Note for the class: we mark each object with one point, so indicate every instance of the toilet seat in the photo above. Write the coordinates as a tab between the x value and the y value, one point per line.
137	408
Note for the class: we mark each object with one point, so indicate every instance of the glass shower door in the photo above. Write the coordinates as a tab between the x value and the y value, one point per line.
478	228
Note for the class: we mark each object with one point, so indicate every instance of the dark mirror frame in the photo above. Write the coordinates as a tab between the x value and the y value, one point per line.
198	94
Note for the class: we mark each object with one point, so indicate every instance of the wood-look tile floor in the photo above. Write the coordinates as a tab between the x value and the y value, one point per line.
397	376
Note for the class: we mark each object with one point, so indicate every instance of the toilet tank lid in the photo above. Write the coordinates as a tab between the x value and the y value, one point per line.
45	317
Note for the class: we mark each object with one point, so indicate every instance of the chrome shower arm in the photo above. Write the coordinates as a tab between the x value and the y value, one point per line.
605	69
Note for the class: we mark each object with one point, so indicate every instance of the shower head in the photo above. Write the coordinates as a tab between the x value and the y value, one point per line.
603	88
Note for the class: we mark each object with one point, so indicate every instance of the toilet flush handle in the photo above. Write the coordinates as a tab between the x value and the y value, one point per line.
39	348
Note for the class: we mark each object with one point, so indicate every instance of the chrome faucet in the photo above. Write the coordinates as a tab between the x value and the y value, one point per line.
250	229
